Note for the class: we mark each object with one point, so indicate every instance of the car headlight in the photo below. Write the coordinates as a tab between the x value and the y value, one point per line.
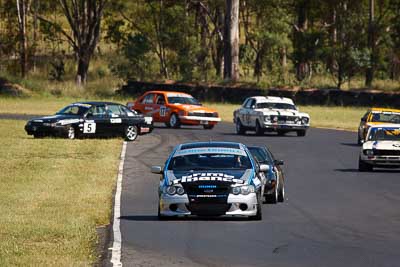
190	113
180	190
244	190
215	114
274	118
236	190
368	152
170	190
296	120
267	118
247	189
305	120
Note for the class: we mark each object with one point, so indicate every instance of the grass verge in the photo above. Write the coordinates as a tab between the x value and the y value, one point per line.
54	193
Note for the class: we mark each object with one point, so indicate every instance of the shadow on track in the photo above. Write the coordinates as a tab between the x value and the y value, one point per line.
374	171
152	218
350	144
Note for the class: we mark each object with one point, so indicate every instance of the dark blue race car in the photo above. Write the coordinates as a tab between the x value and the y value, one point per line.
275	186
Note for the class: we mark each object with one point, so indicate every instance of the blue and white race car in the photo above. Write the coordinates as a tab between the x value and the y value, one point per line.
211	179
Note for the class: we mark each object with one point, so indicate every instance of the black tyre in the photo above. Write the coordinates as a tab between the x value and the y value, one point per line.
208	127
131	133
281	133
364	167
239	127
359	140
174	121
259	129
160	217
258	216
301	133
71	133
281	194
272	198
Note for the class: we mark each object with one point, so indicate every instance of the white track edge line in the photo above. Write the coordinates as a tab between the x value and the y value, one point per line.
117	237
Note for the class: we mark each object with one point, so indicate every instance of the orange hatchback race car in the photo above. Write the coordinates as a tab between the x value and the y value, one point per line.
175	109
376	116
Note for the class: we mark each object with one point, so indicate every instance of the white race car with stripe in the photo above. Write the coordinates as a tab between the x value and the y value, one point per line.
272	114
211	179
381	148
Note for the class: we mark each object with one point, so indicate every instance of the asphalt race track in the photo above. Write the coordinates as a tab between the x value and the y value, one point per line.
332	215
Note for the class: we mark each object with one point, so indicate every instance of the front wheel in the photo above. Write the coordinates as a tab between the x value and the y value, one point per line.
281	194
364	167
301	133
174	121
258	216
259	129
239	127
208	127
131	133
272	198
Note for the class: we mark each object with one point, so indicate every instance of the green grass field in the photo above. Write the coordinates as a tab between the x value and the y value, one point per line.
54	193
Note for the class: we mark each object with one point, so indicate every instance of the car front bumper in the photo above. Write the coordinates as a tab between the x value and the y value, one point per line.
45	130
284	126
199	120
183	205
388	161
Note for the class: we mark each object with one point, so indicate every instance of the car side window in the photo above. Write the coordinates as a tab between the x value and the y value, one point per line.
114	110
160	100
148	99
97	111
249	103
365	117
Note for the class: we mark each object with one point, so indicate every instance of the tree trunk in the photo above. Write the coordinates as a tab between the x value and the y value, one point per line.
231	41
301	27
83	67
22	8
369	75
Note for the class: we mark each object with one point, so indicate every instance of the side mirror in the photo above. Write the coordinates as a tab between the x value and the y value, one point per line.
157	169
279	162
264	168
253	106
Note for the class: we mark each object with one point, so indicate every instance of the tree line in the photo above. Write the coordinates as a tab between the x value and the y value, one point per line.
204	40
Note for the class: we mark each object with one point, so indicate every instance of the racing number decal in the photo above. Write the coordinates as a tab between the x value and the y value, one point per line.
163	111
89	127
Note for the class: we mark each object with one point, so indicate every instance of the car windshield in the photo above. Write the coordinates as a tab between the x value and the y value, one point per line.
386	117
183	100
384	134
74	110
200	162
276	105
260	155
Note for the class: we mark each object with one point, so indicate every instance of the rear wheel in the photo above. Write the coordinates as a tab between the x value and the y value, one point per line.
364	167
259	129
131	133
239	127
301	133
174	121
38	135
71	132
208	127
